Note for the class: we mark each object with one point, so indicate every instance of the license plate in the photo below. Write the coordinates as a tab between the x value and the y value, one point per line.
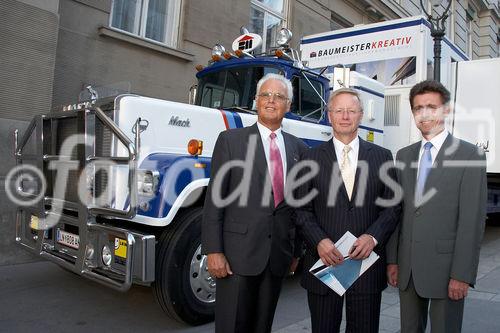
68	239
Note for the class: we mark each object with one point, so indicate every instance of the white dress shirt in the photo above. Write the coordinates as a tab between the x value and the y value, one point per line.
437	143
266	142
353	153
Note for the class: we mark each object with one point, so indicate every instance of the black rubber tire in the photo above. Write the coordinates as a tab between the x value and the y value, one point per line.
174	252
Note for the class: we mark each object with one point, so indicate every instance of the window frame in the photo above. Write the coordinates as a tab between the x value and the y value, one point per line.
268	11
469	31
172	22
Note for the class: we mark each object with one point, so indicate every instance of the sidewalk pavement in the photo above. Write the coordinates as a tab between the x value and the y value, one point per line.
482	305
41	297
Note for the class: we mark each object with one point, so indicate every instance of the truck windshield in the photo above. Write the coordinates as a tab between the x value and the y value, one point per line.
233	87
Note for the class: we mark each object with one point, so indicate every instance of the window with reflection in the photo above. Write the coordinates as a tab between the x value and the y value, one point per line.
307	94
157	20
234	87
267	17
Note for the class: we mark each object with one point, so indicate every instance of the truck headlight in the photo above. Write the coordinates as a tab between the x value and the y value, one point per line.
217	52
147	182
284	36
106	255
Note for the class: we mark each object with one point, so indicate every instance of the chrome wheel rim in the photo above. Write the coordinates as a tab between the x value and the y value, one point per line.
202	284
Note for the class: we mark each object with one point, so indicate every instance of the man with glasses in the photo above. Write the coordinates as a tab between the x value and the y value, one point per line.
249	240
349	185
433	254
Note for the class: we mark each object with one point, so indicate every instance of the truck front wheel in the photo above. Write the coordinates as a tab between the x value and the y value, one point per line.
182	286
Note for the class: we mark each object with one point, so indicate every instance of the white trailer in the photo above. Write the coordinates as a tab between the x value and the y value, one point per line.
399	53
475	89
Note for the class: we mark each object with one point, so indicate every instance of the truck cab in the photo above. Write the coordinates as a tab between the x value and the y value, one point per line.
231	84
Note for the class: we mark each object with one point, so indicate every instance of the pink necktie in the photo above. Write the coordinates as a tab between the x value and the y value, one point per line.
276	170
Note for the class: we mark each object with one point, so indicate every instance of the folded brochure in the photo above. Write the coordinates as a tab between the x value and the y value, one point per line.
340	277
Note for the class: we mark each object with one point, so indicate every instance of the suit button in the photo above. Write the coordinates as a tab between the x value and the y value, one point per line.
351	208
268	236
417	213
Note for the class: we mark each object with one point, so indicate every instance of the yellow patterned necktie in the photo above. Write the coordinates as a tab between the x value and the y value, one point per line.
347	171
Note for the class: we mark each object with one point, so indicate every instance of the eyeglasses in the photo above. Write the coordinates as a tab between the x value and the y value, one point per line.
350	112
430	107
266	96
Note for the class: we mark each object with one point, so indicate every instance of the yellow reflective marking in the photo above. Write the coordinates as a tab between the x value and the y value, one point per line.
370	136
120	248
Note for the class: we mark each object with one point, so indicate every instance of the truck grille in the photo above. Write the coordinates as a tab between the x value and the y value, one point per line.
56	131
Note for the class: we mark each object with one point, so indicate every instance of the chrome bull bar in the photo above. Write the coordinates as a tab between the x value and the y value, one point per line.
92	235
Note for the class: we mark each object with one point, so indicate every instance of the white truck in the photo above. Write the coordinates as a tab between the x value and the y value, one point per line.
399	53
116	185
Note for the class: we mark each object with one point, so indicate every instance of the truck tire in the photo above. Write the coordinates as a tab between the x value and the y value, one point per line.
182	286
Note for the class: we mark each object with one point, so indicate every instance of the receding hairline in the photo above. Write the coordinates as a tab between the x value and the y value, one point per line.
347	91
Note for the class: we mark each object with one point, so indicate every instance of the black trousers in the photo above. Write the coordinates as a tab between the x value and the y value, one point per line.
362	312
247	303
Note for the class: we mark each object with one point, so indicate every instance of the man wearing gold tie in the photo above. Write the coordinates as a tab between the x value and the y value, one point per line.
350	197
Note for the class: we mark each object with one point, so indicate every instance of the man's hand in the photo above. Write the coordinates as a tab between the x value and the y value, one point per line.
457	289
329	253
218	266
362	247
392	274
293	265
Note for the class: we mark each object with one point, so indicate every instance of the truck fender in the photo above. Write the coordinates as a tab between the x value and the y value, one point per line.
187	197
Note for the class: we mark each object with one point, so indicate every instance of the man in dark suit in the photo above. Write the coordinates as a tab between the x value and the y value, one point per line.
433	254
348	186
249	241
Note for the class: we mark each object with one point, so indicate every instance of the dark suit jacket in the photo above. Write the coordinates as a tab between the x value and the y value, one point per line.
318	221
254	234
440	239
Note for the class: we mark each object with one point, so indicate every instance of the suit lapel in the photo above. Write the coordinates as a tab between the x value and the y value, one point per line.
329	149
409	176
363	155
290	153
260	156
413	166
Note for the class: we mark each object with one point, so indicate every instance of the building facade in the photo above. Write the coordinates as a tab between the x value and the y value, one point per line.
53	49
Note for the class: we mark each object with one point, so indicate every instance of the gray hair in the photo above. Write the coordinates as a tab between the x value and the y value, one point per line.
282	79
345	91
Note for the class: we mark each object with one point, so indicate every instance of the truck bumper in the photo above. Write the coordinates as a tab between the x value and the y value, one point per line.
107	254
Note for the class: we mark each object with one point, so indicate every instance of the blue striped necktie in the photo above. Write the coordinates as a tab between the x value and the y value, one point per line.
423	170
